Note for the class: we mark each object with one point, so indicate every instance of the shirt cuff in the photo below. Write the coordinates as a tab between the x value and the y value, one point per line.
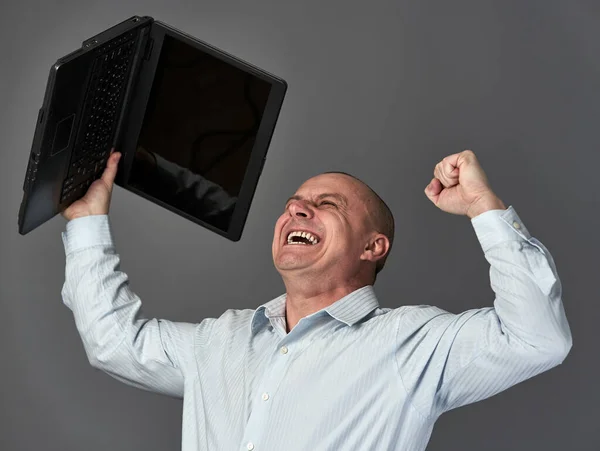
87	231
497	226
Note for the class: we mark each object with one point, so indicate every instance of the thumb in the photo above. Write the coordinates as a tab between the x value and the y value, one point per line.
434	188
109	174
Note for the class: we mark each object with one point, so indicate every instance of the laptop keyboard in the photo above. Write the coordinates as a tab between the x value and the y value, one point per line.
103	104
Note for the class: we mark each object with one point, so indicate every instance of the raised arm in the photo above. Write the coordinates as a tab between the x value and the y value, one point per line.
151	354
452	360
447	360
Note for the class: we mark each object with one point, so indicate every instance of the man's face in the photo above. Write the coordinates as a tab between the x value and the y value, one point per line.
332	209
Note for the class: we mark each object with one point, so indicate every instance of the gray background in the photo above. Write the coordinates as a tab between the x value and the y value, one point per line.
383	90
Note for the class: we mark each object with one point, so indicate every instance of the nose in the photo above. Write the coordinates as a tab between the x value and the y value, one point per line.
299	208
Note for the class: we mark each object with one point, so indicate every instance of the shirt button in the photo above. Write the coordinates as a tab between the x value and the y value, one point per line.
265	396
517	225
284	349
250	446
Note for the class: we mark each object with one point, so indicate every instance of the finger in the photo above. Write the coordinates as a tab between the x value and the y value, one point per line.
434	189
438	174
110	172
451	169
447	173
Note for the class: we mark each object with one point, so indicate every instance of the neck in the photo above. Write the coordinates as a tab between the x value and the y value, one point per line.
304	297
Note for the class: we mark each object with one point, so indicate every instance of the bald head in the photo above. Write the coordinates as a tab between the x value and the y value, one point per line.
382	219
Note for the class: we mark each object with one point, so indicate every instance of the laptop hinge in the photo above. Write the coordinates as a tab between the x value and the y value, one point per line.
132	82
148	50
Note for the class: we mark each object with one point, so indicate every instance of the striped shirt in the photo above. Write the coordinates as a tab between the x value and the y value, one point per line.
353	376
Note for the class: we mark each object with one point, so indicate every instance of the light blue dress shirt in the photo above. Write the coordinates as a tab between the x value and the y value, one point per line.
353	376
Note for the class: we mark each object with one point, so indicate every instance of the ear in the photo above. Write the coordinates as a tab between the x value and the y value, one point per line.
377	248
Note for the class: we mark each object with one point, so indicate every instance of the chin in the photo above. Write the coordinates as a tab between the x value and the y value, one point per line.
289	263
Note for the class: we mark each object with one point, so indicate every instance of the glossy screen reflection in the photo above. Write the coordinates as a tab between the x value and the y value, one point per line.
198	133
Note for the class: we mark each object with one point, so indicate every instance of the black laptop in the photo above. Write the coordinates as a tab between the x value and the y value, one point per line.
193	124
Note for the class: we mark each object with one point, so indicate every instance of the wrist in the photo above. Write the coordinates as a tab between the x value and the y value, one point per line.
484	204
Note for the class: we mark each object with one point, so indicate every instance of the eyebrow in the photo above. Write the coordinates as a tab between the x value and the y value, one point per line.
339	197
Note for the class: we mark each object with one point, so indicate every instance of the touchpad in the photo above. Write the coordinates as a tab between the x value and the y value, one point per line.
63	135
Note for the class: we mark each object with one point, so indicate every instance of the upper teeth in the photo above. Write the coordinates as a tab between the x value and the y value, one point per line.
309	236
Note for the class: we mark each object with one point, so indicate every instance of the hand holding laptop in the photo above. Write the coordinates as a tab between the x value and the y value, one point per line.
96	200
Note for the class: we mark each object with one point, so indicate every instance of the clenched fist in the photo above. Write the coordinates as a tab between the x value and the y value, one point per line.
461	187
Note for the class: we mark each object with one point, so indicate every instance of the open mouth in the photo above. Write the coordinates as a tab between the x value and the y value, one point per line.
301	238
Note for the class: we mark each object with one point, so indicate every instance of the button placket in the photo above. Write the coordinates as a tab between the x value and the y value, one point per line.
271	380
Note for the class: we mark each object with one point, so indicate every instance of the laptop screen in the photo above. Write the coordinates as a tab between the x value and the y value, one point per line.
198	132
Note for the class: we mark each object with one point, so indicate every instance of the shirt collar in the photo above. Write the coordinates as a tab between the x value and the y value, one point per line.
349	310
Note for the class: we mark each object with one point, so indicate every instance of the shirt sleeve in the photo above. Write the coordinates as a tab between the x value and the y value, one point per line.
151	354
471	356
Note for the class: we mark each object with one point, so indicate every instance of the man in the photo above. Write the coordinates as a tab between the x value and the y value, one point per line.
323	367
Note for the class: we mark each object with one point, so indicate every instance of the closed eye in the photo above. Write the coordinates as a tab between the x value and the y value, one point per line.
325	202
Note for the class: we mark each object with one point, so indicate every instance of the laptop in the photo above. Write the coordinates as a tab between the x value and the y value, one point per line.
192	122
